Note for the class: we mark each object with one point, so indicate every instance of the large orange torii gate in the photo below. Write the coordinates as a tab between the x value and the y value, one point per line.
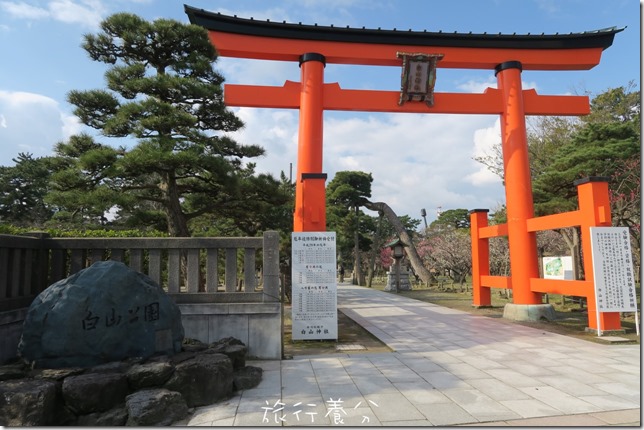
314	46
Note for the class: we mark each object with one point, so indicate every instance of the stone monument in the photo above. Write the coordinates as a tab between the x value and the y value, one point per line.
103	313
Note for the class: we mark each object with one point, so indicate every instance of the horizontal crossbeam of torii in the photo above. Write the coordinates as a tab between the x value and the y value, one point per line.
507	55
336	98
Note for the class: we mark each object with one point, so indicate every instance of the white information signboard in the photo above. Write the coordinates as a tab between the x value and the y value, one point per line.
557	268
613	270
314	286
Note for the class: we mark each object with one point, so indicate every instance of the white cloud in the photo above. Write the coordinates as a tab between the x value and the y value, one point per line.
31	123
477	86
23	10
71	125
257	72
484	141
550	6
417	161
87	13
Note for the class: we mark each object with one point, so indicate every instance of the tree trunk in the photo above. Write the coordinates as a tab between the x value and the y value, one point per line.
414	258
357	268
177	223
571	237
374	251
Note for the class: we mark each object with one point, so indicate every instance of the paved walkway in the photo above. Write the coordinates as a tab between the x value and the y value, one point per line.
448	368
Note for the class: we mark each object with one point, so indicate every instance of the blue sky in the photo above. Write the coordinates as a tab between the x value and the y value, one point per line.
417	161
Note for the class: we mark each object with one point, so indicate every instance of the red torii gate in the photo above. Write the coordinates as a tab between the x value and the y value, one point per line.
314	46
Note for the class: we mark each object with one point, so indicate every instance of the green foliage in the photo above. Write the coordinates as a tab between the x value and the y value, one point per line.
345	193
596	150
349	189
22	190
183	173
452	218
616	105
55	232
545	137
498	216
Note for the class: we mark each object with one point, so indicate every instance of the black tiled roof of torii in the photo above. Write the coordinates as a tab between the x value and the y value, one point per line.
216	21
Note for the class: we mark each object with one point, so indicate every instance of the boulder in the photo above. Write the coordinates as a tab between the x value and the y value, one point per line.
25	402
128	392
94	392
56	374
247	377
149	374
113	367
233	349
203	379
115	417
155	407
13	371
103	313
193	345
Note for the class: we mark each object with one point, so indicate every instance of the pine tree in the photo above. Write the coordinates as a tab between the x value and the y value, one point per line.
163	92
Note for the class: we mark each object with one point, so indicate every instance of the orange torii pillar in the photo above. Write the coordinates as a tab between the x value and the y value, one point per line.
518	185
594	207
310	200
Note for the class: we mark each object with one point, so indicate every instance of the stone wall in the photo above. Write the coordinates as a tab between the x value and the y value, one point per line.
153	392
258	325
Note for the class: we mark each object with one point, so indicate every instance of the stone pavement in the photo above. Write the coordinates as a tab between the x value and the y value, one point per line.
449	368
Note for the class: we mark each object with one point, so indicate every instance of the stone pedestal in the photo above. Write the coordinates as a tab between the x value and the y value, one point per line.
529	312
606	332
405	283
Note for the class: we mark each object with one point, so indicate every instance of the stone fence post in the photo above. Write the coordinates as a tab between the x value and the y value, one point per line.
271	265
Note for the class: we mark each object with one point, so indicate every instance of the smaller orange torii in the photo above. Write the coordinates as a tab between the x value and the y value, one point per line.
314	46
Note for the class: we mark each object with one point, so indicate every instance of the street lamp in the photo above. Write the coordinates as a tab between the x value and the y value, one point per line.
398	250
423	213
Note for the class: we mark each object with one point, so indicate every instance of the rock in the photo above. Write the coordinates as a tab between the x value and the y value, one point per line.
114	366
247	377
115	417
13	371
155	407
106	312
94	392
99	396
64	416
193	345
203	379
237	355
149	374
56	374
26	402
228	341
233	349
180	357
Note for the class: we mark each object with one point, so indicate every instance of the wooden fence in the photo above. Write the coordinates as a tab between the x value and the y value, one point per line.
192	270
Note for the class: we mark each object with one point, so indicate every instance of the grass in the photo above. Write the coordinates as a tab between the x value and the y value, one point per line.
349	332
